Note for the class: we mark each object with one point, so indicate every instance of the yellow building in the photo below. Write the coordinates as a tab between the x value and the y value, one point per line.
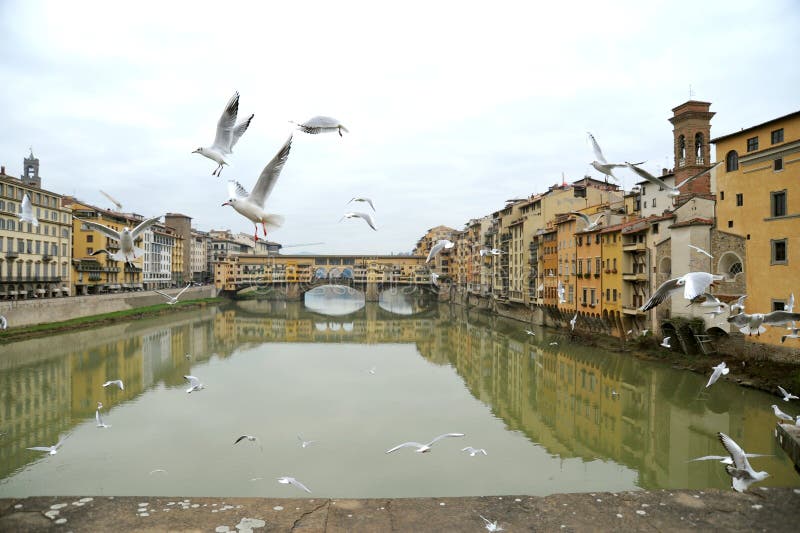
611	278
567	257
758	197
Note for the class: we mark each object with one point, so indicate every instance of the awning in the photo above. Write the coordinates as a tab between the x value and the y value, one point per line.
12	293
40	291
65	290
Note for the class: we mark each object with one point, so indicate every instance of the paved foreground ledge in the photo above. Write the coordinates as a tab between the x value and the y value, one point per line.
677	510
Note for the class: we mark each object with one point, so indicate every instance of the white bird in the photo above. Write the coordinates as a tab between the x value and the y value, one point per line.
290	480
483	252
725	459
127	237
719	370
693	284
435	279
172	300
157	471
573	322
99	420
3	322
116	203
372	370
27	211
789	305
366	216
665	342
795	334
529	332
228	133
741	472
320	125
780	414
710	301
700	250
442	244
250	438
554	343
589	224
251	205
474	451
600	164
423	448
496	251
715	312
491	526
194	384
754	323
786	394
738	307
361	199
671	191
561	291
305	443
117	382
52	450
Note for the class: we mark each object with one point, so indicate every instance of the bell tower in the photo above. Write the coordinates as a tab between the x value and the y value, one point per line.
691	132
30	171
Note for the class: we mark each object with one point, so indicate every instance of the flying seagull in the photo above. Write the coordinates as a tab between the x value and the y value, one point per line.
251	205
474	451
360	199
321	125
442	244
671	191
600	164
127	251
739	305
116	203
529	332
561	290
786	394
491	525
719	370
749	324
290	480
423	448
99	420
589	224
52	450
694	284
665	342
228	133
780	414
194	384
795	334
117	382
700	250
305	443
250	438
742	474
789	305
366	216
725	459
26	214
172	300
573	322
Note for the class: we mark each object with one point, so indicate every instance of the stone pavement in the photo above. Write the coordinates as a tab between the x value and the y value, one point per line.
677	510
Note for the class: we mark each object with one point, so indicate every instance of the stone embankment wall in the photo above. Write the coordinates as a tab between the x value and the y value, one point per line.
45	310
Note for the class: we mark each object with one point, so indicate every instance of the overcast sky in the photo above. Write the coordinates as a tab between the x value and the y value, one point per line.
452	107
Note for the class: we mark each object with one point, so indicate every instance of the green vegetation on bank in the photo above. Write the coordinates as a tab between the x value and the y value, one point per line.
36	330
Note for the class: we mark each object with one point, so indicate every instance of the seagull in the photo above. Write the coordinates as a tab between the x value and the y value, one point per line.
491	526
789	305
117	204
795	334
157	471
710	301
725	459
749	324
600	164
741	472
366	216
3	322
554	343
127	251
26	214
372	370
442	244
435	279
307	443
719	370
251	438
700	250
251	205
474	451
287	480
561	290
739	305
786	394
671	191
117	382
359	199
529	332
52	450
228	133
194	384
321	125
172	300
573	322
715	312
589	224
780	414
694	284
665	342
496	251
423	448
483	251
99	419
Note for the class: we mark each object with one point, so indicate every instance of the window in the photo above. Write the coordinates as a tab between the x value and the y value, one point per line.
644	190
735	268
739	199
593	298
732	161
777	136
653	203
615	294
778	252
608	295
778	204
777	164
730	223
698	148
655	228
752	144
90	251
90	238
721	195
778	305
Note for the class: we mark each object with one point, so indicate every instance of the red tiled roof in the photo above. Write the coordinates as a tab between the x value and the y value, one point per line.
697	221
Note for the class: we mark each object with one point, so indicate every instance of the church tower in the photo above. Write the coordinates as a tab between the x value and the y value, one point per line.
691	123
30	172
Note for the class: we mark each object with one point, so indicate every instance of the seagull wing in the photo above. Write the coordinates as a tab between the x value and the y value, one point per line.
299	485
405	445
696	284
370	203
138	230
183	290
708	458
266	181
240	439
225	125
167	296
735	451
40	448
661	294
776	318
440	437
238	131
739	320
598	153
108	232
649	177
435	249
235	190
193	381
698	249
368	218
582	217
692	178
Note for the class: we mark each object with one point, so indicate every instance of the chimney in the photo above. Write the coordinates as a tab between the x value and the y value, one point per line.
2	170
664	171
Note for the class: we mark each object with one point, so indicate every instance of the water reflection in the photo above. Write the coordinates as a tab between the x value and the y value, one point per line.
553	418
334	300
405	300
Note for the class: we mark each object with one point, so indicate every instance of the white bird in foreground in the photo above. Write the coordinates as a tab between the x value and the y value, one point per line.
305	443
491	526
474	451
671	191
780	414
442	244
719	370
320	125
228	133
573	322
600	164
665	342
251	205
589	224
742	474
749	324
172	300
725	459
786	394
693	284
290	480
99	420
700	250
117	382
361	199
52	450
738	307
366	216
127	237
423	448
27	212
194	384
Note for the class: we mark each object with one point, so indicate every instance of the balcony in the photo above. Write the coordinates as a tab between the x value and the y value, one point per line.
30	279
630	276
11	254
634	247
632	310
46	258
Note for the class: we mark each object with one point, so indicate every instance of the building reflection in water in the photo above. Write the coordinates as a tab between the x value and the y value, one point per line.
575	401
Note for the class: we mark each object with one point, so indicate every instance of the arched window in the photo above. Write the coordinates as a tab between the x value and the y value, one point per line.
698	148
730	264
682	149
732	161
665	266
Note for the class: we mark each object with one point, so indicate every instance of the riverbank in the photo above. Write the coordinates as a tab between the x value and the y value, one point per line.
761	509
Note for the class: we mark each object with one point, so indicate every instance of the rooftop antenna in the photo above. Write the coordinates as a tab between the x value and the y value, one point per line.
691	92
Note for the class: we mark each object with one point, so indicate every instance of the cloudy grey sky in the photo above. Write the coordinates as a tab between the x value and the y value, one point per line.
452	107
